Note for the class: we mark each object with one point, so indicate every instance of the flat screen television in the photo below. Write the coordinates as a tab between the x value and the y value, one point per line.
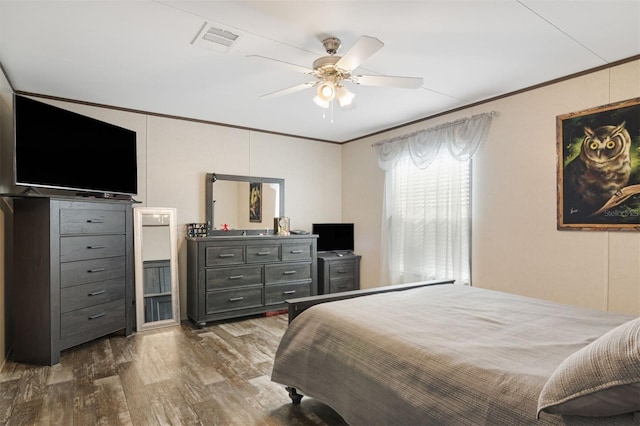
56	148
334	236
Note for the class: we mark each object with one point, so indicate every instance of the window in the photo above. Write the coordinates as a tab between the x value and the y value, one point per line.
428	220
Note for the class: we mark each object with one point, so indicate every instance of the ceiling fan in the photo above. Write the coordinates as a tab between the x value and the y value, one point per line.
332	71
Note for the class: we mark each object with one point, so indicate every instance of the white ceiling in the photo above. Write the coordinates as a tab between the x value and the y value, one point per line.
139	55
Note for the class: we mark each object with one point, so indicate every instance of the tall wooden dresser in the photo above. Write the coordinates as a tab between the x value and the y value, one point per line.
236	276
73	274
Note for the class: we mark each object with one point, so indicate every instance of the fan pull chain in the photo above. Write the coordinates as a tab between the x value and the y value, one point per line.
331	106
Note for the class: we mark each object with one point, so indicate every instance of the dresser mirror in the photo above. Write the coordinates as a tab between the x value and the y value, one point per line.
156	268
242	205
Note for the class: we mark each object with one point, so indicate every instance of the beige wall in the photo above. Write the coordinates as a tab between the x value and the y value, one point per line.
516	246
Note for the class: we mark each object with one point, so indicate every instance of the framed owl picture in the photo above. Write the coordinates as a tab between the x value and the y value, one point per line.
599	168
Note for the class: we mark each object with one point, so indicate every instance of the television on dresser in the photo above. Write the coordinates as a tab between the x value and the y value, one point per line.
336	237
59	149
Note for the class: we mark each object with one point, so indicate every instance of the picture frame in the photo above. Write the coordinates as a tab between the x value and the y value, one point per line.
255	202
598	168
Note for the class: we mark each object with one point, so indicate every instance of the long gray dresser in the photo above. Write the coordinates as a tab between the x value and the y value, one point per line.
234	276
73	274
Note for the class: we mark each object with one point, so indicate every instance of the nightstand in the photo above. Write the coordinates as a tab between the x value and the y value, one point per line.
338	272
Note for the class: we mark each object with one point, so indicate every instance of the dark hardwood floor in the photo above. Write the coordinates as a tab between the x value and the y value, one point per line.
218	375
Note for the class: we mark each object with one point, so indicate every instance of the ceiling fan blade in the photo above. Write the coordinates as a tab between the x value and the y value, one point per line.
294	67
361	50
288	90
388	81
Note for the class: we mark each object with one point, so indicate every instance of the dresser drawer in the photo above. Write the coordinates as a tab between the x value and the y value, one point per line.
88	271
91	247
296	252
75	221
342	269
82	296
286	272
231	300
232	277
221	256
342	284
262	254
93	321
278	293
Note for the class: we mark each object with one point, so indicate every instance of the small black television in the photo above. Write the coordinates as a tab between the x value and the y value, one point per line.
334	236
59	149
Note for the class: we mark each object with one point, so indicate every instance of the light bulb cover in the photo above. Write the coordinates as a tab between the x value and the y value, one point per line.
345	97
321	102
326	91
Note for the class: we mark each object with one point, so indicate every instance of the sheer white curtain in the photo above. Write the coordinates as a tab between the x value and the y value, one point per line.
426	226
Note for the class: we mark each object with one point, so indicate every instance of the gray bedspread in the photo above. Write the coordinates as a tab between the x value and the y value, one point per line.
437	355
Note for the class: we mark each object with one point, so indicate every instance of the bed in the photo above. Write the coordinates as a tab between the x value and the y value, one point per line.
450	354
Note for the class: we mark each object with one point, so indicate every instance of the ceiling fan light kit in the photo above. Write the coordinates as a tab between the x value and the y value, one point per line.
327	91
331	71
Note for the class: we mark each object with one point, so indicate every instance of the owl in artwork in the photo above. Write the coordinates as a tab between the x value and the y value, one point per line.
601	169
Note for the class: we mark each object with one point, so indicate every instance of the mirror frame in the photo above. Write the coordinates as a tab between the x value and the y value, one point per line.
211	178
139	211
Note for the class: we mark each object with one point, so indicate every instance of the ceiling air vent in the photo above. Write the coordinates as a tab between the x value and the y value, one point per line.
216	38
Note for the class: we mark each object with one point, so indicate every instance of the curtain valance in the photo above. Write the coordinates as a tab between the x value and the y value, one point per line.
461	137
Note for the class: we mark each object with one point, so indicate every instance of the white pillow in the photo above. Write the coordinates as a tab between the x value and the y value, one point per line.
601	379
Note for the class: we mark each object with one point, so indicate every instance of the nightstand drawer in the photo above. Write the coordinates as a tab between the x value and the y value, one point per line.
286	272
296	252
88	271
342	284
221	256
82	296
74	221
230	300
278	293
261	254
92	247
94	320
342	269
232	277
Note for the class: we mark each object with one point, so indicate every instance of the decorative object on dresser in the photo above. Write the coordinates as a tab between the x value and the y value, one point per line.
156	267
281	226
338	272
73	274
235	276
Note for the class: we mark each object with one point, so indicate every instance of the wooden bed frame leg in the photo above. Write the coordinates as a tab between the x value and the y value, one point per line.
294	395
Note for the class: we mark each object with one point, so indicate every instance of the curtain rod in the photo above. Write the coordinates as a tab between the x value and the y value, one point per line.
439	126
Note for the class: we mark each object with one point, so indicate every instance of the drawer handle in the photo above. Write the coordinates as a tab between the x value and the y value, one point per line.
236	299
289	292
97	315
95	247
263	253
343	271
96	270
296	251
227	255
95	293
235	277
95	220
288	272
